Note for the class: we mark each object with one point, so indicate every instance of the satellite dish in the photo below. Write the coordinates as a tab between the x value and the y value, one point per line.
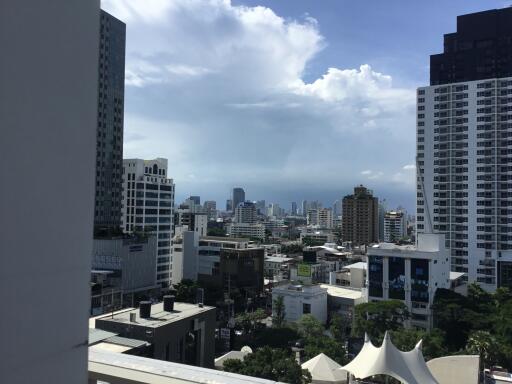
246	349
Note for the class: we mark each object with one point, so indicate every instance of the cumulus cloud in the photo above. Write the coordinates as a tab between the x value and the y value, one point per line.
409	167
218	89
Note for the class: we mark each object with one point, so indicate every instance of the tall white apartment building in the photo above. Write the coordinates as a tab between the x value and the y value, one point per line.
464	148
395	226
148	206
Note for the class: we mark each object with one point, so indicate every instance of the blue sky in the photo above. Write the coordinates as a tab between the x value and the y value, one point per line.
290	99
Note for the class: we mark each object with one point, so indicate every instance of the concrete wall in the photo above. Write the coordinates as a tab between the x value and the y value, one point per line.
48	110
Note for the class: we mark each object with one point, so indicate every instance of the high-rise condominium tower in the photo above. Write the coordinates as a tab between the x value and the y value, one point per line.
109	135
464	147
238	197
360	218
148	206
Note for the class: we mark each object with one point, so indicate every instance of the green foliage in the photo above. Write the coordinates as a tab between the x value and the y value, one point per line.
433	342
275	337
270	364
250	322
291	249
216	231
186	291
309	327
480	323
278	314
339	327
315	341
375	318
482	343
327	345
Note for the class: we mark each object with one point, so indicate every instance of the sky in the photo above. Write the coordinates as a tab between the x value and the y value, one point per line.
290	99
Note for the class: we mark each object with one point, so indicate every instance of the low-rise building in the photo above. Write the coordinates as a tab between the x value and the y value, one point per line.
342	300
411	274
352	275
178	332
276	267
256	231
123	271
315	237
300	300
230	265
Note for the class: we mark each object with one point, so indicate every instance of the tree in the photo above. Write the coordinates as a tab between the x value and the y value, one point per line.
250	322
216	231
433	342
327	345
279	313
186	291
482	343
270	364
339	326
309	327
376	318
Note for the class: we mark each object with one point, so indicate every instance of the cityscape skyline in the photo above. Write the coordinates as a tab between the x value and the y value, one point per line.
320	269
330	93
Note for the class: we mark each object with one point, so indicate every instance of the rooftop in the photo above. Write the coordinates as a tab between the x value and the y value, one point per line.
358	265
104	365
158	317
222	239
278	259
338	291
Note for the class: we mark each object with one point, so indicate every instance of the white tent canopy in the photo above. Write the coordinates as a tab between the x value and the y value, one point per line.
325	370
408	367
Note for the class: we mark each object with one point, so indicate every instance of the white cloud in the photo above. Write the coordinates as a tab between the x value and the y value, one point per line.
409	167
218	89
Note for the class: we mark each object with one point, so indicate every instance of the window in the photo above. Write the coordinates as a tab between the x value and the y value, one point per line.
306	308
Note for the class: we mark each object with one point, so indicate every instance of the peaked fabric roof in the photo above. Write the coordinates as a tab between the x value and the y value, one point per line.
408	367
323	369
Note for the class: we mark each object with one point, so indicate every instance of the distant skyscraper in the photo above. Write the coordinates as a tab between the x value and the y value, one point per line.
360	223
229	205
148	205
210	207
304	208
109	137
382	212
261	207
238	197
245	213
336	208
195	199
464	123
294	208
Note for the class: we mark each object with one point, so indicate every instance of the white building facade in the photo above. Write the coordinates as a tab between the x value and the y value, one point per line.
464	176
301	300
246	230
410	274
148	205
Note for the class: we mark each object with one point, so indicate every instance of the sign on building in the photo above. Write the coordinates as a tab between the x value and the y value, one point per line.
304	270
